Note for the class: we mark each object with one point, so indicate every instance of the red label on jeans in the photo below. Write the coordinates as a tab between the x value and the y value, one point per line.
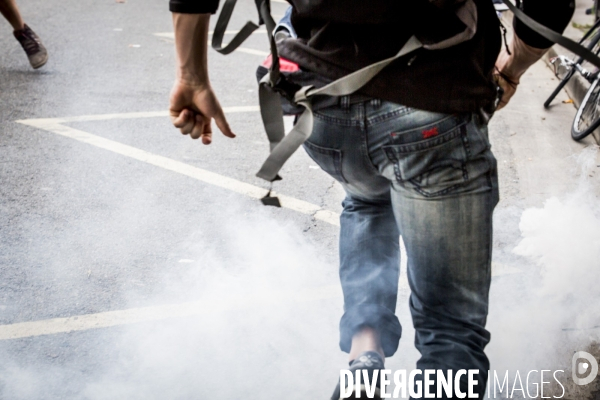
430	133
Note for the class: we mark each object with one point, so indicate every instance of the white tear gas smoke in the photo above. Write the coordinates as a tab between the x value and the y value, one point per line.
268	307
551	309
271	303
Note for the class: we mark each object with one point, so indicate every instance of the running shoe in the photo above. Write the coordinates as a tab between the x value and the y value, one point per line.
369	361
31	43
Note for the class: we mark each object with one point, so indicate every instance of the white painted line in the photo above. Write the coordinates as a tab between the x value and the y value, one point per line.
234	32
145	314
183	310
166	35
52	125
252	51
171	36
132	115
227	302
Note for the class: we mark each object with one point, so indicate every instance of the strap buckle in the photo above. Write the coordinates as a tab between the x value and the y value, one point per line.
286	88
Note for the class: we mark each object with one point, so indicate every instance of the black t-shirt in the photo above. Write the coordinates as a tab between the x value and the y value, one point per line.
459	79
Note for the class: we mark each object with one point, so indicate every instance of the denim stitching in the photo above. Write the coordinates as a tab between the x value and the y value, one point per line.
430	143
339	155
420	146
365	151
337	121
465	141
336	154
395	162
419	189
397	112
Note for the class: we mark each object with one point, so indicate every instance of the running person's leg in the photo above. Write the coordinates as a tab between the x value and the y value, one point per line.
31	43
444	191
369	237
9	9
369	272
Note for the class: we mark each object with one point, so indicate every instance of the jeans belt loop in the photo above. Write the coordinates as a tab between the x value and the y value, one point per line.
345	102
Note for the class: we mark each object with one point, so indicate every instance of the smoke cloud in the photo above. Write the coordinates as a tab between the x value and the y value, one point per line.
551	309
271	304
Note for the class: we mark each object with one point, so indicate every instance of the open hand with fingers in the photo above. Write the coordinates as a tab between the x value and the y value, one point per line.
193	107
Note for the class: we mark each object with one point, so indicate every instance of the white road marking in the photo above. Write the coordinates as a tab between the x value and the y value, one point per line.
54	125
171	36
227	302
133	115
235	32
154	313
182	310
121	317
252	51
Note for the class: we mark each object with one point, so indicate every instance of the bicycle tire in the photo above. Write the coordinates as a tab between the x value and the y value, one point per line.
587	118
558	88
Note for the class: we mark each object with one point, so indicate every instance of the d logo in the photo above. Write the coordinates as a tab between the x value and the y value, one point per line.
584	367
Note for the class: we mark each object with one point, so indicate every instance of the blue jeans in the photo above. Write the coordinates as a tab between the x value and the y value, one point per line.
431	178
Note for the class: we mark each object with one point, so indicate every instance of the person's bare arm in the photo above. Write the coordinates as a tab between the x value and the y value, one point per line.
510	68
528	46
193	103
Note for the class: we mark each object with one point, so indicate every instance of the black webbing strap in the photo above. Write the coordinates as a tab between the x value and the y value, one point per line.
221	27
553	36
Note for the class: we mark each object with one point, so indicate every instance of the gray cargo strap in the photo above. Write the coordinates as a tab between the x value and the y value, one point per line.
221	27
282	145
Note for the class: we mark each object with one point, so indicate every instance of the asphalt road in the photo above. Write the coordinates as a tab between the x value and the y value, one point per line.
128	270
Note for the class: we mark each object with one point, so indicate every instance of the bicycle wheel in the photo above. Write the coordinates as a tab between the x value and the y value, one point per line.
560	86
587	118
590	41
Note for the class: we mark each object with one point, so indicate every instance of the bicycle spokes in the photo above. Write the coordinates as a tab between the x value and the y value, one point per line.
591	110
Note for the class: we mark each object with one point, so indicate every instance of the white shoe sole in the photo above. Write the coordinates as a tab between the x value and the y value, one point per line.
41	63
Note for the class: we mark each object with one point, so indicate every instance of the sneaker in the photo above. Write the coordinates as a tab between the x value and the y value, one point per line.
31	43
369	361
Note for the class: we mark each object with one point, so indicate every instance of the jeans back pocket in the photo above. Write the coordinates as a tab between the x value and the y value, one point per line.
330	160
438	158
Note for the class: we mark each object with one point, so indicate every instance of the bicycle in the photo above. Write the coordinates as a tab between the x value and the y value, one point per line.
587	118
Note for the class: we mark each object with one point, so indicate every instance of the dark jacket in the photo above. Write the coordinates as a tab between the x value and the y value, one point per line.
336	37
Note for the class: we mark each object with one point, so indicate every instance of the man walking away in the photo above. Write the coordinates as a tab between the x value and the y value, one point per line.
412	152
